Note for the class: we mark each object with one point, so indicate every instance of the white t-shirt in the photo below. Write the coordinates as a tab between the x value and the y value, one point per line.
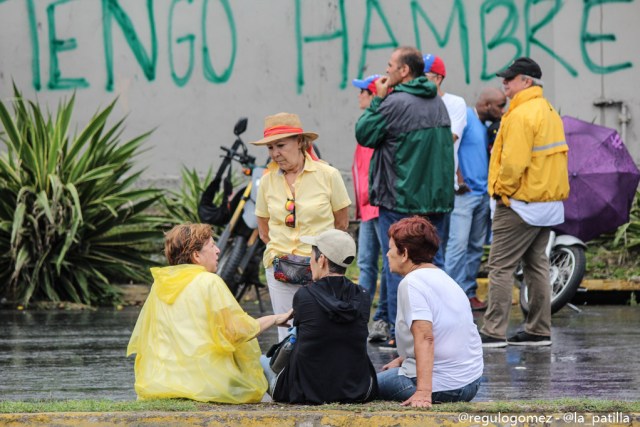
430	294
538	214
457	109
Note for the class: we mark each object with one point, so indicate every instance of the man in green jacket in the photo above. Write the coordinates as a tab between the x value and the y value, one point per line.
411	171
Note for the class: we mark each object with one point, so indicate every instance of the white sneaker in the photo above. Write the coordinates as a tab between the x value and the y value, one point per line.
379	331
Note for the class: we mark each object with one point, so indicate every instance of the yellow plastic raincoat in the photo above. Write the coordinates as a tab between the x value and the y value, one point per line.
194	341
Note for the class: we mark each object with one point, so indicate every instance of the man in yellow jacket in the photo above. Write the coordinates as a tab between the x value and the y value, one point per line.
528	178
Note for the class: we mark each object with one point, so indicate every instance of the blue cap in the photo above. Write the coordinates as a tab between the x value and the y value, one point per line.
365	83
434	64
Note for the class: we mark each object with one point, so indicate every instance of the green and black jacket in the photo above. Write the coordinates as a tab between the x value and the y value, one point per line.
412	166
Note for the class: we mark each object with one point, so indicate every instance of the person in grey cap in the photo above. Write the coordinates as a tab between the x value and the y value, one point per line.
329	362
528	178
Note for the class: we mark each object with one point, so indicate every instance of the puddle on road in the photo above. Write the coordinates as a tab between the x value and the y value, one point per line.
81	355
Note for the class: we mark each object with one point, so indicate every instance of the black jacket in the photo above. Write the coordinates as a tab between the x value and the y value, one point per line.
329	362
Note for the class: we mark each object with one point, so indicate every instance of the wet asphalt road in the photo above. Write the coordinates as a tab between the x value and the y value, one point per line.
81	355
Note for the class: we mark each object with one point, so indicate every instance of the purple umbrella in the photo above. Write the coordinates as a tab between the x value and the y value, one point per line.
603	180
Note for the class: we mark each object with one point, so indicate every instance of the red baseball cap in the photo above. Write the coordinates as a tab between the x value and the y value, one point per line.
434	64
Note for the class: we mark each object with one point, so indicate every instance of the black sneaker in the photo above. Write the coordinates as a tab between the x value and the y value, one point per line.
491	342
523	338
389	345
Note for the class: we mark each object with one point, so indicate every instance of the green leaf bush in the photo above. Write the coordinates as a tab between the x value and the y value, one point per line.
615	255
181	205
628	235
71	219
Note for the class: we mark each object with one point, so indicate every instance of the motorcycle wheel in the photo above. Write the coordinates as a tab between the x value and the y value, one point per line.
229	262
251	274
567	267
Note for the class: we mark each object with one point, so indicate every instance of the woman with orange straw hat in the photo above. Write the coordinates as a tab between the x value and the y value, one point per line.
298	195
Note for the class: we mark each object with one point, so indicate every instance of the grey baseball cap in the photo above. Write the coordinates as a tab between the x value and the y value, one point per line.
337	245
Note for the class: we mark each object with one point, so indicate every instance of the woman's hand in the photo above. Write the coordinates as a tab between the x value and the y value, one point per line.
282	319
420	399
341	219
395	363
263	229
422	332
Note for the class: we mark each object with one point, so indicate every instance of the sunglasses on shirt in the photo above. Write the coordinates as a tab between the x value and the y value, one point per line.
290	219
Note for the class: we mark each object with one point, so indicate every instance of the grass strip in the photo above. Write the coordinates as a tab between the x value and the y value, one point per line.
179	405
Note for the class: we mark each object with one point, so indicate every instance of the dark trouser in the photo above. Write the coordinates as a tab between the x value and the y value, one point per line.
515	240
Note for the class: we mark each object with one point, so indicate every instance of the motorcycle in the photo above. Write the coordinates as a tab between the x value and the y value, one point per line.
240	246
567	263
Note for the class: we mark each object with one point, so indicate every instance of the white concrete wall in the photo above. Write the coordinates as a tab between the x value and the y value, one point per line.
300	56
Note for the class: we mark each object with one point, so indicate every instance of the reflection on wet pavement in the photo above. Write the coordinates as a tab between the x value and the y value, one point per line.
81	355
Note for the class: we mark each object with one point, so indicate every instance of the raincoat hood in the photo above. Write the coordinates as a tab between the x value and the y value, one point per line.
170	281
339	297
421	87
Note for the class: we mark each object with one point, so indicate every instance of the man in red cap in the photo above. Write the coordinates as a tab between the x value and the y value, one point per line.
436	72
528	178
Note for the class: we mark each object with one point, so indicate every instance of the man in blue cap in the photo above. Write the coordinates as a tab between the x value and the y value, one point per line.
368	235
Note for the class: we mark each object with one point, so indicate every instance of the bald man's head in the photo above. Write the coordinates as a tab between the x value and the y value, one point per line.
490	104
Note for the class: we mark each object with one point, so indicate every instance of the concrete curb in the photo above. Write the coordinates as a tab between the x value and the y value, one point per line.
315	418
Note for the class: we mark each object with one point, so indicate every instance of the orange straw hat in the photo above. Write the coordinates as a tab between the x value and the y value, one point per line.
283	125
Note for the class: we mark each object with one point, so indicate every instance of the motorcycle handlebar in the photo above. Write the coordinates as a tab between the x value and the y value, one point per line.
243	158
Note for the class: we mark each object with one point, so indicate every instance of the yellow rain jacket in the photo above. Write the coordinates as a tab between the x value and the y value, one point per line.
194	341
529	161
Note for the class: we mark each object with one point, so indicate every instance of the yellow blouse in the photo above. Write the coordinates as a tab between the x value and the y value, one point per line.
320	191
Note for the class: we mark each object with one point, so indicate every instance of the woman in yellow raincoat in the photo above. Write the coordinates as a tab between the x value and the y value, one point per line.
192	339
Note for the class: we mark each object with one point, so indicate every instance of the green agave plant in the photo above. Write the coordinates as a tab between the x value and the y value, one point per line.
181	205
70	219
628	235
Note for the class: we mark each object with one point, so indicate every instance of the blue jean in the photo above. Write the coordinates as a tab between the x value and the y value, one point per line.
368	256
467	234
442	224
271	376
386	218
392	386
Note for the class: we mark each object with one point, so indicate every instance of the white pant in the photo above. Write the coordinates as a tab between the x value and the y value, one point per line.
281	295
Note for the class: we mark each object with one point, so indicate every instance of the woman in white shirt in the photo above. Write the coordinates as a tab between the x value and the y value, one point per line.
438	343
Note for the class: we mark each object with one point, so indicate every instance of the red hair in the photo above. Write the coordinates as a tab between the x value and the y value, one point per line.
418	236
183	240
